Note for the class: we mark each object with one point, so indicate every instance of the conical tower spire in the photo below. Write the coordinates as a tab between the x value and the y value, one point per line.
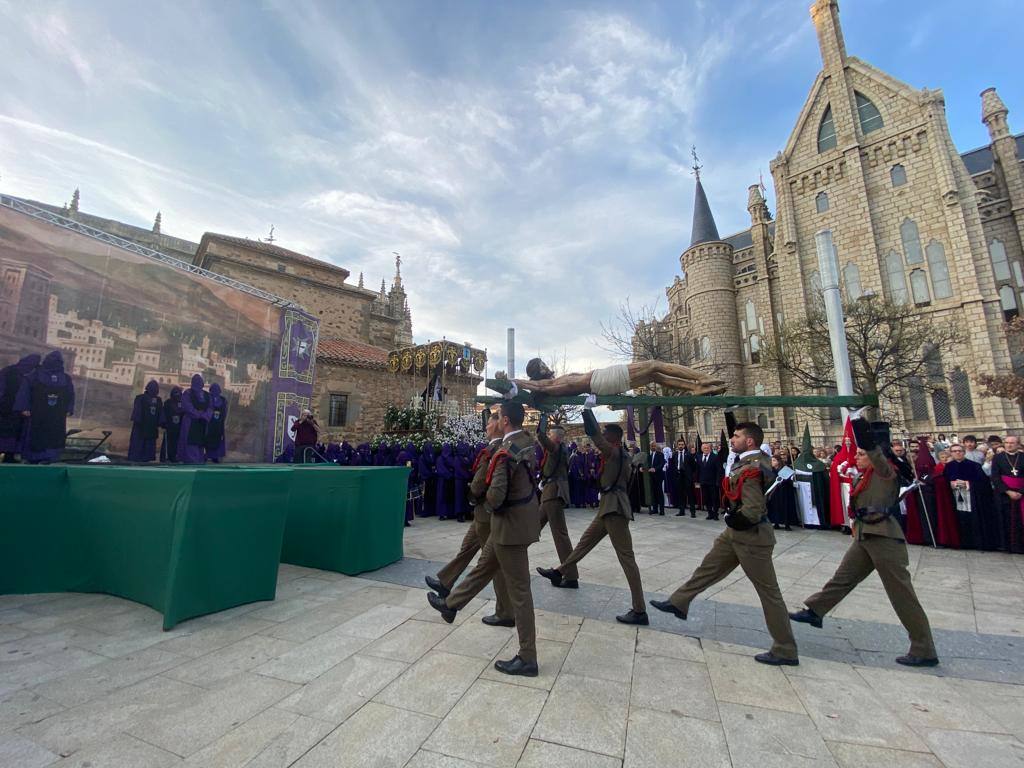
156	223
704	229
74	201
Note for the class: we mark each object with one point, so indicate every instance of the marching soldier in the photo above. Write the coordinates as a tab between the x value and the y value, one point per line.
477	534
878	545
509	493
747	542
554	495
613	515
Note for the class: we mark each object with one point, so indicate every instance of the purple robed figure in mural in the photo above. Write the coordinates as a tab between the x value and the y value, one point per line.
171	422
50	399
195	415
444	467
14	384
147	416
216	436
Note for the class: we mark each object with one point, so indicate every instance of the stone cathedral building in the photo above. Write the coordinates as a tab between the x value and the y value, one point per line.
871	159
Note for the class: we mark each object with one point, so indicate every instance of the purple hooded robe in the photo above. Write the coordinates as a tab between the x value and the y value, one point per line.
408	456
171	422
577	483
147	416
14	384
195	415
216	437
50	397
444	468
463	474
428	477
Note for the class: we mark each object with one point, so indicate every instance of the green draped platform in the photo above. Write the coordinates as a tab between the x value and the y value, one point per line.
188	541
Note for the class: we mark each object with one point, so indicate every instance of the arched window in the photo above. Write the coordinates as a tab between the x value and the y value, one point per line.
897	278
851	280
751	313
821	202
826	131
867	114
936	378
1008	301
705	348
962	394
1000	264
911	242
755	349
898	175
762	420
707	423
937	267
919	287
816	298
759	389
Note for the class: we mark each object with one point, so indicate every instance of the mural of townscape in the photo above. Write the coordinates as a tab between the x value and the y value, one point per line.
122	319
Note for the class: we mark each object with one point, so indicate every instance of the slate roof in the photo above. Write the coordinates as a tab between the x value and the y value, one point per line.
980	160
704	229
351	353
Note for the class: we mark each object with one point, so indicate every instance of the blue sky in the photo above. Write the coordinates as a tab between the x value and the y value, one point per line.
529	160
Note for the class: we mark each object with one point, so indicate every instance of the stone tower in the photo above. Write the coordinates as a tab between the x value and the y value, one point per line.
711	296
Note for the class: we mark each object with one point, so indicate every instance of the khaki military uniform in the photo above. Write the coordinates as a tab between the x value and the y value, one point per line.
612	520
477	535
554	498
751	550
879	547
515	524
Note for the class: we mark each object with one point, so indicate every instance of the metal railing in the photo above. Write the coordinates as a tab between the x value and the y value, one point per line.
22	206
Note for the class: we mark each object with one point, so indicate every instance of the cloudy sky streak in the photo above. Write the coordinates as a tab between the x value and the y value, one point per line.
529	160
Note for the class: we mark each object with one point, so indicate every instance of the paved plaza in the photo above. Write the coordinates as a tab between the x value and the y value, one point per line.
342	671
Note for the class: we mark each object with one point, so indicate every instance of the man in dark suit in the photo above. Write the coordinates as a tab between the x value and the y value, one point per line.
708	475
657	471
681	475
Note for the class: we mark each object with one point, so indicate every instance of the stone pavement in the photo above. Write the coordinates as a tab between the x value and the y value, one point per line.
342	671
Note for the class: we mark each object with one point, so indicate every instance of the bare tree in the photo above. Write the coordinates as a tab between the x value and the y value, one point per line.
893	349
563	414
1010	385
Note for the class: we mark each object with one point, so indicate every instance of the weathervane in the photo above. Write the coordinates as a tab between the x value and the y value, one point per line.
760	182
270	238
696	161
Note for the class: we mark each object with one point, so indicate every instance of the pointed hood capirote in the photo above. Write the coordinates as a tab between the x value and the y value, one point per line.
153	388
197	383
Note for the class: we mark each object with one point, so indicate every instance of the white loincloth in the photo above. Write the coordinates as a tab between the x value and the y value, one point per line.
613	380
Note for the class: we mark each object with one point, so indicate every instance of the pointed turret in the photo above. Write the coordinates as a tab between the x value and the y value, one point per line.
156	223
74	201
704	229
993	114
361	280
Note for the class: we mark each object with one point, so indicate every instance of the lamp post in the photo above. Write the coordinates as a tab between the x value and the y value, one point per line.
829	268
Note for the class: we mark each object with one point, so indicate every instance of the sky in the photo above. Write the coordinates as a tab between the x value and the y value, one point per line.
529	160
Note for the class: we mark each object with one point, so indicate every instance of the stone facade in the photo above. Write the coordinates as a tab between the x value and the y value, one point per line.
872	160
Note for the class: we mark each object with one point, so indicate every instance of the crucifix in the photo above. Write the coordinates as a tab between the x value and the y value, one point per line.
696	161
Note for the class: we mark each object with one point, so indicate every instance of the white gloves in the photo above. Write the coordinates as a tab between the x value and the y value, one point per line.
590	402
858	413
512	392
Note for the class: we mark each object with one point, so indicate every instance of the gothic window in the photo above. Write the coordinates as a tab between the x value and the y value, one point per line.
918	402
911	242
821	202
962	394
867	114
940	406
851	279
826	131
898	175
759	390
755	349
751	317
705	348
919	287
817	298
1000	264
939	271
1008	301
932	364
897	279
762	420
1018	275
707	423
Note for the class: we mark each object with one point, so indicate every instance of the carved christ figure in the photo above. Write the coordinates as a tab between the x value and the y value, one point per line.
618	379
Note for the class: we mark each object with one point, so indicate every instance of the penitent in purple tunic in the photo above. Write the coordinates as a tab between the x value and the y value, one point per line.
147	418
195	415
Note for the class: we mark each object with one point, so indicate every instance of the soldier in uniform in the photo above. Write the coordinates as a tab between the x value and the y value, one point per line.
554	494
878	545
748	542
510	494
478	534
613	515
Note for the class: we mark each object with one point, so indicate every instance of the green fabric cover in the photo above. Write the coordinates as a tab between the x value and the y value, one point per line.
188	541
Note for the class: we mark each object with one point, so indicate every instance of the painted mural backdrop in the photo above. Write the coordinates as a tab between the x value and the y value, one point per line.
121	319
